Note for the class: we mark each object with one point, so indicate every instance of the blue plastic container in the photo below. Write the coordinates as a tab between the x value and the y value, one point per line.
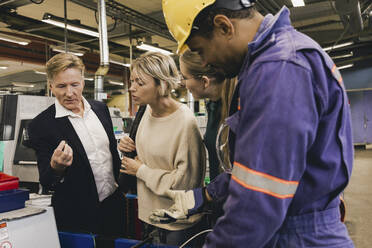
13	199
79	240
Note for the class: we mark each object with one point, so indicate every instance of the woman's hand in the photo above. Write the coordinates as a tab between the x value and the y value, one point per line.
130	166
126	144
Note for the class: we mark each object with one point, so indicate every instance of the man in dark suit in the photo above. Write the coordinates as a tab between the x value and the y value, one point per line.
77	154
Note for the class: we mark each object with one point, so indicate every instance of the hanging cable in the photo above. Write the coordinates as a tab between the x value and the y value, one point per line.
115	22
196	235
343	32
65	21
340	37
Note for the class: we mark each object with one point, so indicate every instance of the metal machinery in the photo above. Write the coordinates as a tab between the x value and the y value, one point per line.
117	120
16	111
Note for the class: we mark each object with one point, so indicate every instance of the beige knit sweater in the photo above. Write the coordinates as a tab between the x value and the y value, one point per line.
173	156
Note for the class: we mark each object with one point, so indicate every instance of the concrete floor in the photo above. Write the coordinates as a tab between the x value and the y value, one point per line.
358	198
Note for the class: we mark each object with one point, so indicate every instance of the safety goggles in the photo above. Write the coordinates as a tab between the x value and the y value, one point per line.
224	161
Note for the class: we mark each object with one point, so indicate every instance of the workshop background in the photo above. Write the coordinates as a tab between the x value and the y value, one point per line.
32	31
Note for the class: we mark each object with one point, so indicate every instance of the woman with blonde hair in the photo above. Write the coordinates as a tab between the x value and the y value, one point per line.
171	154
204	82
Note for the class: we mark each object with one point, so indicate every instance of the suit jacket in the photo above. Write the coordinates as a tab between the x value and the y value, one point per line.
75	197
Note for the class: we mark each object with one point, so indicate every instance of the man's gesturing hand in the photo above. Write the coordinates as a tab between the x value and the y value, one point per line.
62	157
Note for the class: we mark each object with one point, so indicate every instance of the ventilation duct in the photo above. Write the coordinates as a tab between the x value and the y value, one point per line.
349	11
104	53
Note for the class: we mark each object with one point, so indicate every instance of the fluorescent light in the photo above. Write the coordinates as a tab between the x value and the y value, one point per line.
69	51
14	39
3	67
89	79
119	63
116	83
345	66
343	56
40	72
147	47
337	46
23	85
298	3
59	22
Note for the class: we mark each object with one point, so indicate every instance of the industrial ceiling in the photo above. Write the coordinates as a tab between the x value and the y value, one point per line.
330	23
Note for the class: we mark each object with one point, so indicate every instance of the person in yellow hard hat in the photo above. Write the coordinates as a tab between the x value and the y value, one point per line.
290	140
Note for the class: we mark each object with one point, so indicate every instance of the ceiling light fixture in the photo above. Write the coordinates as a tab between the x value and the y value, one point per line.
343	56
345	66
115	83
119	63
55	49
298	3
59	22
13	39
26	85
337	46
89	79
147	47
3	67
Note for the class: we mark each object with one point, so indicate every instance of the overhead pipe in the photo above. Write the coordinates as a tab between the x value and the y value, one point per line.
103	51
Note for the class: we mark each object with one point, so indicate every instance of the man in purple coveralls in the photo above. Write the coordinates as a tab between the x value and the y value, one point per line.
290	140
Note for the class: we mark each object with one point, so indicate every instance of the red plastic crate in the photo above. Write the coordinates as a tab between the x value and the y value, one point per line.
8	182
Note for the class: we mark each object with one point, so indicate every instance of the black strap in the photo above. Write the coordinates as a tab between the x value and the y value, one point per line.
234	4
133	129
127	182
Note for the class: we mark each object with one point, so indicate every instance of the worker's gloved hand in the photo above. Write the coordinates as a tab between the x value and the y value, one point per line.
186	203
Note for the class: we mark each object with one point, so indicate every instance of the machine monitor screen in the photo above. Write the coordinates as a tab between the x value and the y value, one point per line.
23	154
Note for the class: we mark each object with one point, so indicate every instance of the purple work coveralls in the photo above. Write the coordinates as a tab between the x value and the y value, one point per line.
292	148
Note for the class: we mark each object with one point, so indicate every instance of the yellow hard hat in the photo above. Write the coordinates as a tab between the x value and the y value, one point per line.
180	15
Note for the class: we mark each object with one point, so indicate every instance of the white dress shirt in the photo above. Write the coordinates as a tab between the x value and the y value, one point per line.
96	145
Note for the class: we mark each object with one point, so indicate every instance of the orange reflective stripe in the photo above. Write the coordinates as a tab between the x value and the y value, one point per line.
265	175
263	182
336	73
260	190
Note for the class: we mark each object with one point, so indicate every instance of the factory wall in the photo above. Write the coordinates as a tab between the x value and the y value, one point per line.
358	84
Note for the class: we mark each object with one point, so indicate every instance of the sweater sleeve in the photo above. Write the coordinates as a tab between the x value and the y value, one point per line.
189	164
